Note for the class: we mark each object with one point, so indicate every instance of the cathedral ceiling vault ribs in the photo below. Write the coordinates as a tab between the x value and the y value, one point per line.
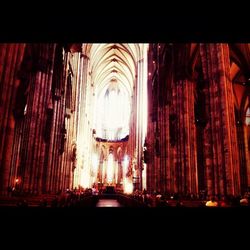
112	67
113	63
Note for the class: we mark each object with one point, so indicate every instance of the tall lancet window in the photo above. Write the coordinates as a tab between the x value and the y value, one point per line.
113	114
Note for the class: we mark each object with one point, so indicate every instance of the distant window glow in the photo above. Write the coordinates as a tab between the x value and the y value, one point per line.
95	163
25	110
110	169
128	186
248	117
113	114
85	178
127	182
125	165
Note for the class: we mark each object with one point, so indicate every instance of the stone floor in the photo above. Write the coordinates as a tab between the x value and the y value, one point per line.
108	203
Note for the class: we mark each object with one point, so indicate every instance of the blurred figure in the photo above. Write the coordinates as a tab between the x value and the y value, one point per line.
244	201
212	203
223	202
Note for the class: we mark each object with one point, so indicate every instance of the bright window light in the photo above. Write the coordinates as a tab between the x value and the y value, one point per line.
125	165
95	163
110	169
248	117
85	178
128	186
113	114
127	182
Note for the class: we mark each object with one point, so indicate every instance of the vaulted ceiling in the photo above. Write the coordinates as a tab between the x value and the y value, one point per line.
113	73
113	63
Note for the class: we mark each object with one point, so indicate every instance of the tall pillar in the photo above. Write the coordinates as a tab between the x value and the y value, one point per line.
247	151
221	151
242	152
81	134
183	148
11	56
32	148
172	132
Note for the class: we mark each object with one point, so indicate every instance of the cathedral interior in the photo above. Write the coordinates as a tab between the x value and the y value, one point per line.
124	124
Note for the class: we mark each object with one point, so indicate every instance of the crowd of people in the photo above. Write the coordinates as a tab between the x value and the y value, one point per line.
158	199
89	197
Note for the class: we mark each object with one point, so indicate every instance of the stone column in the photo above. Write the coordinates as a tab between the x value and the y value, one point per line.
183	149
221	150
11	56
32	151
242	154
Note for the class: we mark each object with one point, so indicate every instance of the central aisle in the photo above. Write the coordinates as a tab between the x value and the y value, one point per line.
108	203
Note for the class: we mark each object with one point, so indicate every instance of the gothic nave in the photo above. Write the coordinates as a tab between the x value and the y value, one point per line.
136	121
